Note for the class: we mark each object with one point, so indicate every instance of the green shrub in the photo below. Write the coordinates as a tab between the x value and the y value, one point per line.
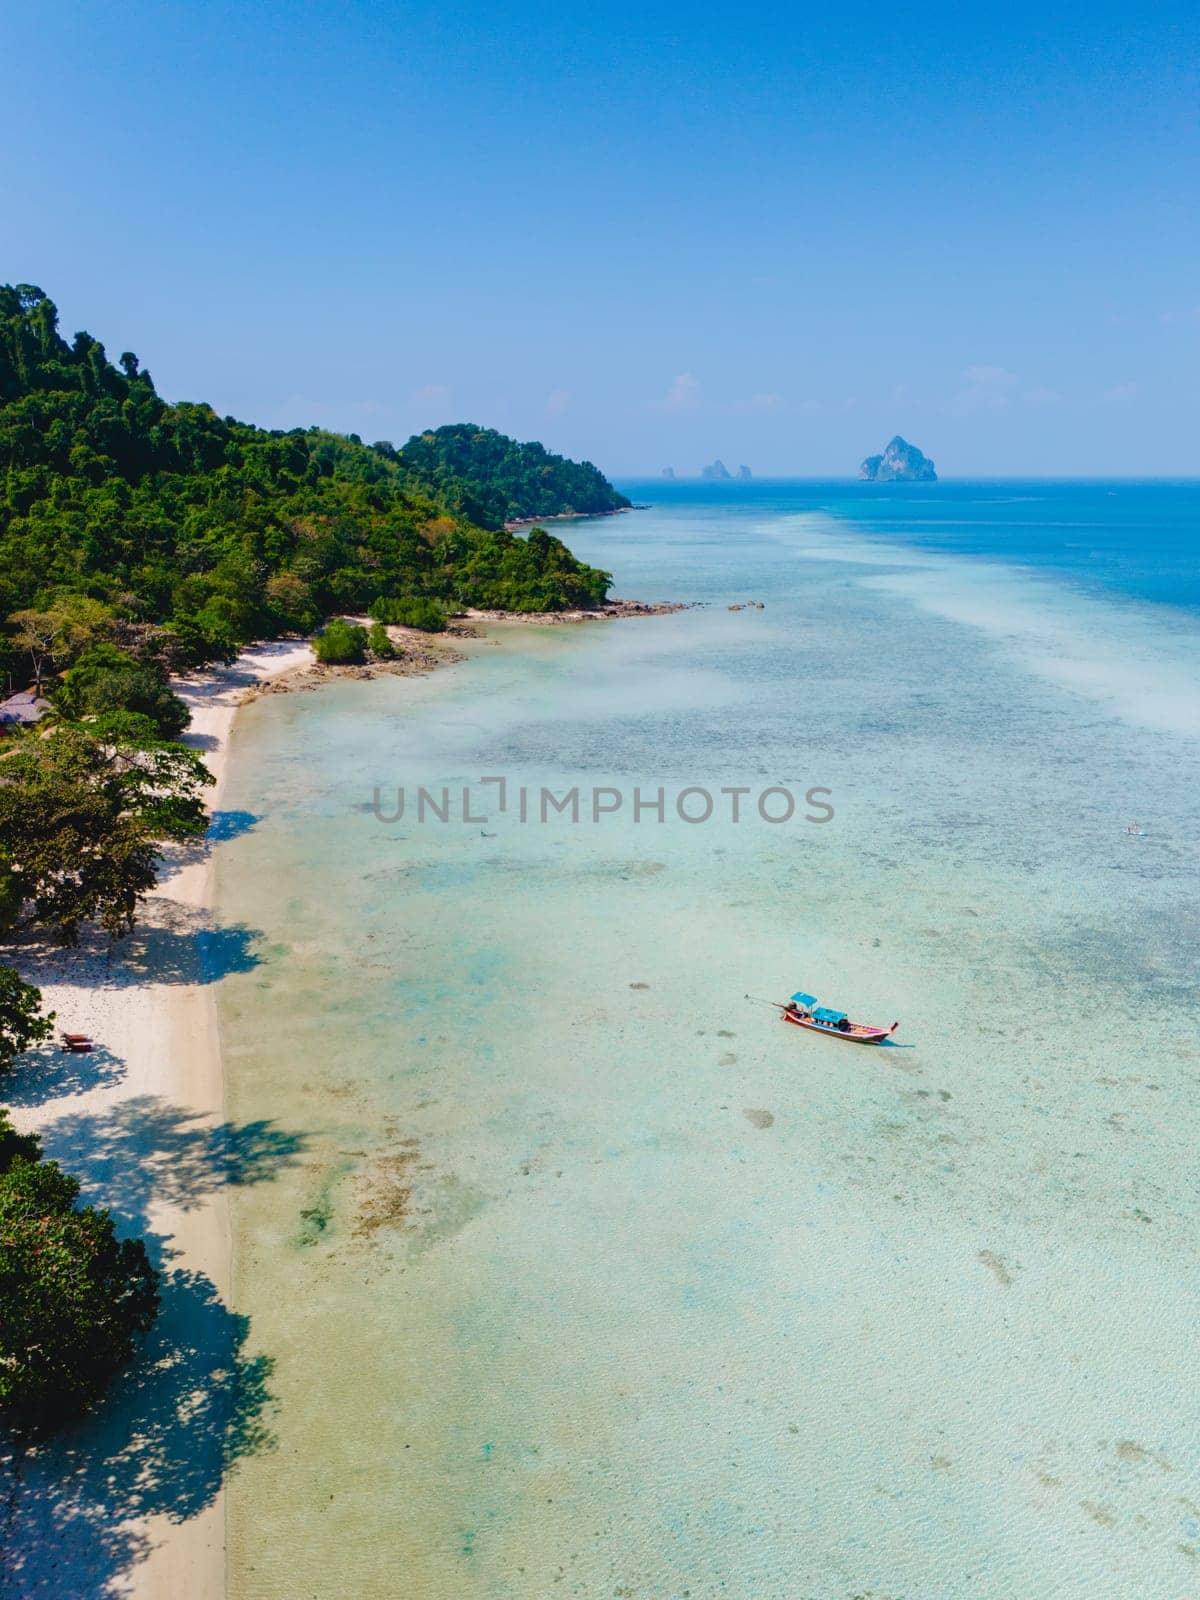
411	611
340	642
380	642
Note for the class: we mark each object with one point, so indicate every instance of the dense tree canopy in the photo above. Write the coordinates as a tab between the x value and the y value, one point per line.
124	518
491	479
105	679
427	615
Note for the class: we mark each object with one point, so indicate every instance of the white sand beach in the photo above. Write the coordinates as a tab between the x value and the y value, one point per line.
131	1503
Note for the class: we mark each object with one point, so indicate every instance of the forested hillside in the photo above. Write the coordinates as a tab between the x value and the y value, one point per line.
117	507
492	479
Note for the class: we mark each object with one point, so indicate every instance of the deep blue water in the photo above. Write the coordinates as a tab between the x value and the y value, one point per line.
1140	540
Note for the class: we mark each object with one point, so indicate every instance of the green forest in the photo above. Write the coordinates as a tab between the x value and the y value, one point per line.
180	535
491	479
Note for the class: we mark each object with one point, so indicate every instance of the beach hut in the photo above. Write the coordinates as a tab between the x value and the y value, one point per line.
26	706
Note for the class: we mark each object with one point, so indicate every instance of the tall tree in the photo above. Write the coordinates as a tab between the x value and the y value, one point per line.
83	815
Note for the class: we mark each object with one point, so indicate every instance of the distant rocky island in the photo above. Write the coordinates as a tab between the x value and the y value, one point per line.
901	462
716	471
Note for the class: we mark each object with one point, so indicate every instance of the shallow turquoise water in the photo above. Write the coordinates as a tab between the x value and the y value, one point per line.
593	1279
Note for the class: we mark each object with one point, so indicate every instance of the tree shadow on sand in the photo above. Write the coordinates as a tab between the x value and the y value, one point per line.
193	1401
145	1150
159	1445
53	1074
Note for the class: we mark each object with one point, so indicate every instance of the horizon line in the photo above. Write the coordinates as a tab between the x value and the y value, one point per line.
1031	477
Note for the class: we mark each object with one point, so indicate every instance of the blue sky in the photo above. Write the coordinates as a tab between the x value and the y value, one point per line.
647	234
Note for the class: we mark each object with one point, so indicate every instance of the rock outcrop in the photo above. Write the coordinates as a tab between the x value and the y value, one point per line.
901	462
717	470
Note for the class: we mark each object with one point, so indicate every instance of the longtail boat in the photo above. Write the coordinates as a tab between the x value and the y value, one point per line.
803	1011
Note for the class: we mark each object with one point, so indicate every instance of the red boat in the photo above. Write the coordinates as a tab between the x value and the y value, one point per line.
803	1011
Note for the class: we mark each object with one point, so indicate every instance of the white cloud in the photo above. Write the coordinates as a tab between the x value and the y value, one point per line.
1036	398
758	404
557	401
433	397
683	395
990	377
1118	392
984	389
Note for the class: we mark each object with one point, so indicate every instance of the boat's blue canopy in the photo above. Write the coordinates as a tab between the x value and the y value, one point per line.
805	1000
824	1014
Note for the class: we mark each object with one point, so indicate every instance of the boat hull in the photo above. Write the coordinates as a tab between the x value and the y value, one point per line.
857	1033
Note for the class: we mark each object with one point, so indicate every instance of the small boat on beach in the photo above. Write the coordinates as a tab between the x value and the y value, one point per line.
803	1011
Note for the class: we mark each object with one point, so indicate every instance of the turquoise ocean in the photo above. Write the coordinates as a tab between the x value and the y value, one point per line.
591	1278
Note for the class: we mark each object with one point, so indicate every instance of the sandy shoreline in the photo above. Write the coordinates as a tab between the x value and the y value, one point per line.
130	1502
141	1123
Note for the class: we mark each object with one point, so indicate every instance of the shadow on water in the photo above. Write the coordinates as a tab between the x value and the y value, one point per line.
175	943
223	951
193	1401
187	950
222	827
230	825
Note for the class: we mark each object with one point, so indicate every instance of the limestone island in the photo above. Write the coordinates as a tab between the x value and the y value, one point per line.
901	462
717	470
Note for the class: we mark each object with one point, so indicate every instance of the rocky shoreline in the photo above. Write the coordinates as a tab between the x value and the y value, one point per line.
417	660
569	516
425	652
610	610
